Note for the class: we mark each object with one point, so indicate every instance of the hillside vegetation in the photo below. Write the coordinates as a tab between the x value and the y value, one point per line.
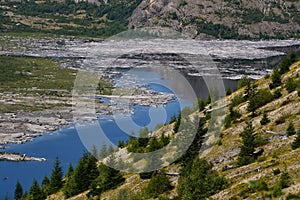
256	155
66	17
238	19
242	19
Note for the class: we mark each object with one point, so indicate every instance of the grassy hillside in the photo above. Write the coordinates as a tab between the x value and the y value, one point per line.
65	17
262	118
238	19
242	19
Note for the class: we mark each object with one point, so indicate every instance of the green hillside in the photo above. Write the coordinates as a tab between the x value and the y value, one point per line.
66	18
256	155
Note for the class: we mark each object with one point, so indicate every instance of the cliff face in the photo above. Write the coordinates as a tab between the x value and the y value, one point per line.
221	19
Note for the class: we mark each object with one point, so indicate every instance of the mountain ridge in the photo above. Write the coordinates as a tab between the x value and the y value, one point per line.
230	19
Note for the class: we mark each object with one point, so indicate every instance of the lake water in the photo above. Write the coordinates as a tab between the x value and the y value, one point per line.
67	146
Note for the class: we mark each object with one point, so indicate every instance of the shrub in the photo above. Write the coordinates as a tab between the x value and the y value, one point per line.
237	100
276	171
244	81
276	79
227	122
277	94
282	119
291	129
284	180
264	120
159	183
296	142
290	85
228	91
245	156
258	99
198	181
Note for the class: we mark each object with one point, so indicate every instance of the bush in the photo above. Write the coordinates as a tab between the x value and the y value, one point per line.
237	100
159	183
276	171
282	119
198	181
264	120
290	85
258	99
284	180
291	129
296	142
244	81
276	79
228	91
277	94
287	62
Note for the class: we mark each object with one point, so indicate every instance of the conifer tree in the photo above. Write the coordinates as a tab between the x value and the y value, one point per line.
296	142
56	177
108	178
159	183
45	185
198	181
264	120
276	79
18	191
35	192
83	175
70	170
248	145
291	129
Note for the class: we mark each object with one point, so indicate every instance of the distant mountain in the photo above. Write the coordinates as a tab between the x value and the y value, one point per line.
205	19
222	18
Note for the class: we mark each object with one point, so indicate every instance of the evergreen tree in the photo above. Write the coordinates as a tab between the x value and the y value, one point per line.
296	142
290	85
108	178
177	123
287	62
18	191
6	197
264	120
244	81
103	151
198	181
94	152
159	183
45	185
284	180
70	187
56	177
248	145
291	129
228	91
35	192
45	181
70	170
208	100
110	149
277	94
276	79
201	104
83	175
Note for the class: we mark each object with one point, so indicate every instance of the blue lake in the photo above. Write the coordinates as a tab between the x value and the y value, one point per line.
67	146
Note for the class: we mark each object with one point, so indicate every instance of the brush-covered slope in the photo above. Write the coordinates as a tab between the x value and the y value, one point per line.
268	107
222	19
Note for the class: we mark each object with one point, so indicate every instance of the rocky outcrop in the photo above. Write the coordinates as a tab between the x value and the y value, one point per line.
221	19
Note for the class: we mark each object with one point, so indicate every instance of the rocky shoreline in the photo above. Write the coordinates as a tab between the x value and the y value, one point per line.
15	157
